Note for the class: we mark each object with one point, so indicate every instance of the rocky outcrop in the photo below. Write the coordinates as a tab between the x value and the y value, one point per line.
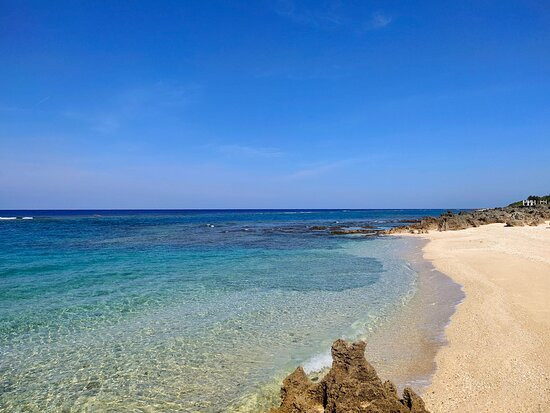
318	228
448	221
345	231
351	386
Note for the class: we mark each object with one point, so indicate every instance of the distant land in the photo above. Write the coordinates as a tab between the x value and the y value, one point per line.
532	198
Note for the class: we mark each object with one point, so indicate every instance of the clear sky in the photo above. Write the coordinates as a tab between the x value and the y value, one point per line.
273	104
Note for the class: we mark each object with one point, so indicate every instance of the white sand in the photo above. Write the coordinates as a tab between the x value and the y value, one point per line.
498	353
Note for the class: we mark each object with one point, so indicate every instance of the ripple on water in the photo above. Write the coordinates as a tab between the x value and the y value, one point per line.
125	326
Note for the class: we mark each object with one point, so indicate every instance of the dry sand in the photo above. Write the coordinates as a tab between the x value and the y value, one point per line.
498	353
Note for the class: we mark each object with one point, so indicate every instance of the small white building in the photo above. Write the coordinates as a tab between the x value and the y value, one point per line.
543	202
529	202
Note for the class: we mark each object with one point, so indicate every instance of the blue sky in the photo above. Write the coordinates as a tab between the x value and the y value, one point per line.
273	104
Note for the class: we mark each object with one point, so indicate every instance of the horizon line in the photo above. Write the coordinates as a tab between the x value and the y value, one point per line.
229	209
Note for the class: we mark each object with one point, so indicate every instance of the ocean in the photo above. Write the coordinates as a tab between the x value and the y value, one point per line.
187	310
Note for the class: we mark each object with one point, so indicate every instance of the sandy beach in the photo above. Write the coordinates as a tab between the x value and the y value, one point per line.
498	353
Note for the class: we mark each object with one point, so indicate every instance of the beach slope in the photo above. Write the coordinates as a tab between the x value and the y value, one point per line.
498	353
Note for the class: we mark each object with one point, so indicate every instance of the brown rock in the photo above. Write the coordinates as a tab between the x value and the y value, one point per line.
511	216
351	386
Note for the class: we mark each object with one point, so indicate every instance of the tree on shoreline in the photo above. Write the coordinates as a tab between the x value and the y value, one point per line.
532	198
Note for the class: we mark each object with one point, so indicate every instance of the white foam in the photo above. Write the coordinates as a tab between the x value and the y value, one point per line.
7	218
27	218
318	362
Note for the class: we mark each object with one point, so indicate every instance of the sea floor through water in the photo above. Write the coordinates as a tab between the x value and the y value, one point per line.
201	311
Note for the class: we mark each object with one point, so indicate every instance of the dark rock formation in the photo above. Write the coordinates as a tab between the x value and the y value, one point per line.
407	221
448	221
346	231
318	228
351	386
364	229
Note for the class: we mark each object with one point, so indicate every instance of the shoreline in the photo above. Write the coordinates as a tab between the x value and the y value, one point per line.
473	337
497	357
404	346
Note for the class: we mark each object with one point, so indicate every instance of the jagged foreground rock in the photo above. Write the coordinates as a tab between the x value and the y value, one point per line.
351	386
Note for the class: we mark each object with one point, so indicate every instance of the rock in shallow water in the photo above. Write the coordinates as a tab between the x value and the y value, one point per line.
351	386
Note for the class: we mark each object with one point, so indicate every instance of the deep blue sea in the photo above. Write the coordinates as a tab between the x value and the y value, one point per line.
184	310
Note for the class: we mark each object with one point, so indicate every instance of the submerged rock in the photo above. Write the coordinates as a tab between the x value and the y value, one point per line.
318	228
345	231
351	386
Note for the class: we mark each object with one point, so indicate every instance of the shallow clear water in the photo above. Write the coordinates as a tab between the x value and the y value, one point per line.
183	310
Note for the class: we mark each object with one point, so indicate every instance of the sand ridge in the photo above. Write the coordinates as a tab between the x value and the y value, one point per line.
498	353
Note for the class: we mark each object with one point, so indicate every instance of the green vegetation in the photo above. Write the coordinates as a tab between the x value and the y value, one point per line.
532	197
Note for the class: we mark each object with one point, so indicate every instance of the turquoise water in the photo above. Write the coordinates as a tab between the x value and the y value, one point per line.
183	310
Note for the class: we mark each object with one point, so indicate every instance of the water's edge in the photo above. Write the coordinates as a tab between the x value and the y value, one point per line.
403	345
404	348
207	311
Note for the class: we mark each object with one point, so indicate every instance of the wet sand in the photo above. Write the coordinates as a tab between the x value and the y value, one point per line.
498	353
403	343
404	346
